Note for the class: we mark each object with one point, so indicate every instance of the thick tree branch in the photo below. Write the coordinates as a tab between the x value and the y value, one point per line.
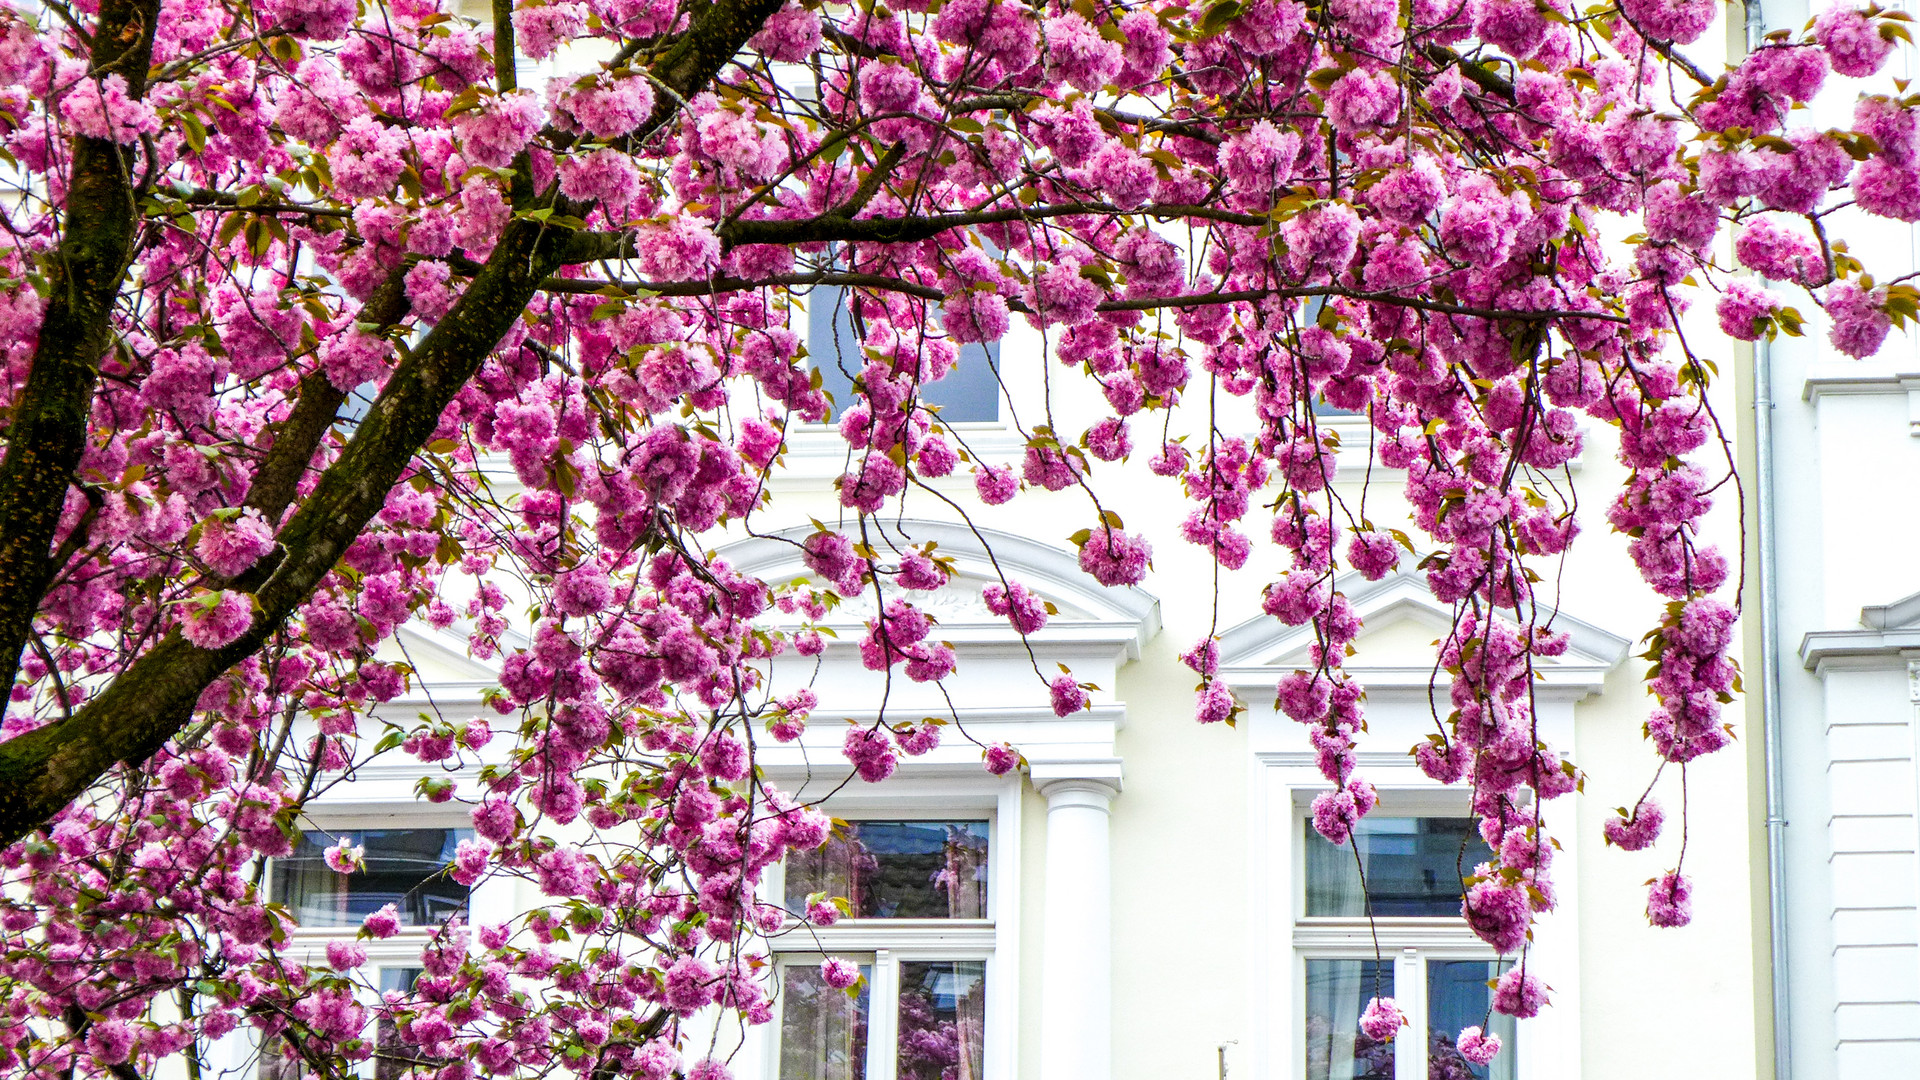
297	437
1443	57
718	285
504	73
48	432
153	699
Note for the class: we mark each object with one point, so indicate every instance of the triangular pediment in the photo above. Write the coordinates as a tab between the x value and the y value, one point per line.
1402	624
1902	614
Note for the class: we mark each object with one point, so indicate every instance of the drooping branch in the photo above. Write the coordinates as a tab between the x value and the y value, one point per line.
48	432
586	247
829	228
1193	129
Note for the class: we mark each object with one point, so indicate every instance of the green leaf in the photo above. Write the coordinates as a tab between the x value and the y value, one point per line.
1218	16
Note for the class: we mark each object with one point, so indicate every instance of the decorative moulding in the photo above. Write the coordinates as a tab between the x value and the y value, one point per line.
1254	654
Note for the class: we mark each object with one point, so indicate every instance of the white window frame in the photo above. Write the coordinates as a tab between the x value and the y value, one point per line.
1285	778
885	944
1408	942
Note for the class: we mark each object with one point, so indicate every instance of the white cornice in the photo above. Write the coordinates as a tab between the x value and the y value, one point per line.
1848	379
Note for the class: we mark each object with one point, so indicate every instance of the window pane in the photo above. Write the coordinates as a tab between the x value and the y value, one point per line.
1413	867
394	1056
898	870
833	345
399	978
943	1019
1458	997
404	868
1337	993
274	1062
823	1031
969	392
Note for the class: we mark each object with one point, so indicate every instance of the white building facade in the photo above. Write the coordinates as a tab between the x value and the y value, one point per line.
1147	899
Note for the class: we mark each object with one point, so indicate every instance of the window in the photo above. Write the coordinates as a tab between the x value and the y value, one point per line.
919	926
969	393
1413	867
1433	966
898	870
393	1056
404	867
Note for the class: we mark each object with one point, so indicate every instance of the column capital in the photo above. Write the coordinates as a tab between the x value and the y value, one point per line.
1100	778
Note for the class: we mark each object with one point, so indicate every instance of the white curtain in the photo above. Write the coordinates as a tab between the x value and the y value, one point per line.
1347	989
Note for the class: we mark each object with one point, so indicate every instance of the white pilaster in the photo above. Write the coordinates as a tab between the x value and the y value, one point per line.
1076	990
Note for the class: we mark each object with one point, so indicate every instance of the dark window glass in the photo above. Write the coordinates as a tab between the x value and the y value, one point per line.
405	868
1458	997
393	1055
898	870
274	1062
1413	867
969	392
400	979
943	1020
823	1031
1337	993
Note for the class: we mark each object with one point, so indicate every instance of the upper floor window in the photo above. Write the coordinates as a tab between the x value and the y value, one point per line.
898	870
919	1011
1439	972
1413	867
969	393
404	867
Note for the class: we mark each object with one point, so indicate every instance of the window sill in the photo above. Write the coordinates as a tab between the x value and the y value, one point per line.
868	935
1355	936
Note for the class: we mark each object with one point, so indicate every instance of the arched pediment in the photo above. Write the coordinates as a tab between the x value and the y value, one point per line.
1397	646
980	558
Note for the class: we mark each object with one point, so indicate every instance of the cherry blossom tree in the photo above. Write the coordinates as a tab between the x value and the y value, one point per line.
317	321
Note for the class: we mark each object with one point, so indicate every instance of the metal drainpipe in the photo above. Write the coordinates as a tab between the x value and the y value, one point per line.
1770	669
1770	711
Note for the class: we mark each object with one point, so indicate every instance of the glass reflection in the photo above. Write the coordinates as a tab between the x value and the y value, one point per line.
404	868
1458	997
898	870
823	1031
1337	993
943	1018
1413	867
